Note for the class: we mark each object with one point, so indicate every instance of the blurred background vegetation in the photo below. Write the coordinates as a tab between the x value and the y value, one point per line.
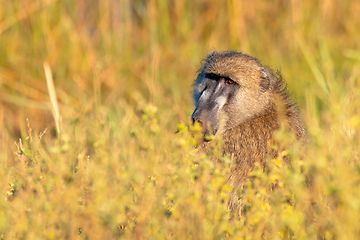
107	164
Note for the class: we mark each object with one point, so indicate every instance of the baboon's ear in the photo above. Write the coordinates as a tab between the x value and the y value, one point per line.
264	80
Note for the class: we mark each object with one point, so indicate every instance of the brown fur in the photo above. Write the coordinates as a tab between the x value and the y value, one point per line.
247	142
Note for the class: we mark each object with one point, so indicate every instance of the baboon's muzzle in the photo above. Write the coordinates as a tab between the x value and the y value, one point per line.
207	116
210	104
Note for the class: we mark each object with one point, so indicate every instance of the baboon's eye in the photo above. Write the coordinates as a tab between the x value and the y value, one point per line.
229	81
212	76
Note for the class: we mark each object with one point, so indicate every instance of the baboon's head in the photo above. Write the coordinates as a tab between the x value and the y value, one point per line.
231	88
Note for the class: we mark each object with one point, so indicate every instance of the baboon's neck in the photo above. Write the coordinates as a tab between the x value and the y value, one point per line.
248	141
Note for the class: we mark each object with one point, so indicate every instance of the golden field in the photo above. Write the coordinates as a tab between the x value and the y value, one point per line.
95	133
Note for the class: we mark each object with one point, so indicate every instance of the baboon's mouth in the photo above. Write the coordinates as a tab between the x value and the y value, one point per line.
206	132
207	137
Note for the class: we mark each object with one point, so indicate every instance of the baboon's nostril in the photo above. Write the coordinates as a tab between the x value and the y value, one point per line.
197	120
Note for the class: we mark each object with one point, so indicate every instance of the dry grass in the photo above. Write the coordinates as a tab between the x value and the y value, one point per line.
123	72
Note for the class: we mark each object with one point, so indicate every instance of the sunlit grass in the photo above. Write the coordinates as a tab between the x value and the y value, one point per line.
124	164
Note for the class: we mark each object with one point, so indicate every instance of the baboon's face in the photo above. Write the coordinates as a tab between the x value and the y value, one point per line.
230	89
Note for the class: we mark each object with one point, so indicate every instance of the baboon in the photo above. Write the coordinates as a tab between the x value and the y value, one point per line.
244	101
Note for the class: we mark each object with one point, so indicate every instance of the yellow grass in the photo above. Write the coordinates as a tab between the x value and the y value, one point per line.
122	72
52	94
